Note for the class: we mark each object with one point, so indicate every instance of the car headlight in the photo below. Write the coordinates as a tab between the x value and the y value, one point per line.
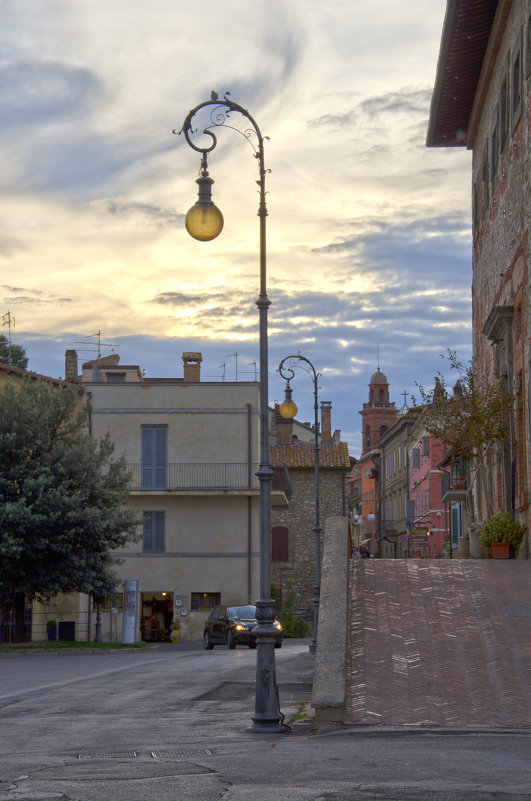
277	625
239	627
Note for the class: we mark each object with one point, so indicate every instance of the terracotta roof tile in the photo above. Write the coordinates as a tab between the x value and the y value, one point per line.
300	455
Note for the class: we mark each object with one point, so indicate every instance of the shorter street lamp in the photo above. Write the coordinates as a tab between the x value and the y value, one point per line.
288	410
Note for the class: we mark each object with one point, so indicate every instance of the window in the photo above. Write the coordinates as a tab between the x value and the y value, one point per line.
154	532
279	544
425	446
368	437
154	449
475	221
494	149
485	182
415	459
516	81
503	115
116	378
205	600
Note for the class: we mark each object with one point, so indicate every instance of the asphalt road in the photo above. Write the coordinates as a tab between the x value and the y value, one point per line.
173	724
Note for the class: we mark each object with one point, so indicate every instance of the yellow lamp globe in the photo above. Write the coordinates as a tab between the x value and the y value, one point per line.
204	221
288	409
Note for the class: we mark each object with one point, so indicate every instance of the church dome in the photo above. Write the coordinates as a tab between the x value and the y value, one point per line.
379	378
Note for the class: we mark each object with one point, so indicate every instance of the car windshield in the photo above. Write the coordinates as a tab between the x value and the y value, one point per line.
242	612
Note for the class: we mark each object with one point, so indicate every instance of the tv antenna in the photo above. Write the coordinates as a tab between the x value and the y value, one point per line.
247	372
8	320
233	356
100	345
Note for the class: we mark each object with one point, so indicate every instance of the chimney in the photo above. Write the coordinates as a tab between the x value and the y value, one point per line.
192	367
284	428
326	420
71	366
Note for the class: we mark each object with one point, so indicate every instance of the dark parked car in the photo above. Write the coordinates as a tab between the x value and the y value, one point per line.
233	625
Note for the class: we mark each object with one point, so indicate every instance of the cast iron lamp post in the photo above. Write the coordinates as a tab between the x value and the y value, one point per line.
288	410
204	221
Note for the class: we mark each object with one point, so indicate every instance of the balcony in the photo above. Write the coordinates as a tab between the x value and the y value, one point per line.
211	477
453	486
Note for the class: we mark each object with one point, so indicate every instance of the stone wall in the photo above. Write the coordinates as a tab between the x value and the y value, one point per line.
298	572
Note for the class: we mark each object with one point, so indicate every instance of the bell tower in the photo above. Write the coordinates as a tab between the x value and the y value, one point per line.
378	414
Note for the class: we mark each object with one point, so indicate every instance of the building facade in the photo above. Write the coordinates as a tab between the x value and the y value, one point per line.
394	522
427	513
293	526
482	101
193	451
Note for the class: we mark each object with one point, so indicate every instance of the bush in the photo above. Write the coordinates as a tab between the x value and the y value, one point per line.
502	528
292	624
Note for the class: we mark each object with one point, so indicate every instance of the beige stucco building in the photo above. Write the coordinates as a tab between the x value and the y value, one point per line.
193	451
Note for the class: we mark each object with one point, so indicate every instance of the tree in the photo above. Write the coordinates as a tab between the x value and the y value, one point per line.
12	354
470	417
61	496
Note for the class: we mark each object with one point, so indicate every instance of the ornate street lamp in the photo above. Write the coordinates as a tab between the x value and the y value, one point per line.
288	410
204	221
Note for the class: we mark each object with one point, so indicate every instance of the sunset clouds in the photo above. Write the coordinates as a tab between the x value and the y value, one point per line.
368	231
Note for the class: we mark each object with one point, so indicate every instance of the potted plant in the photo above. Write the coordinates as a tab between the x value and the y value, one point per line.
51	628
503	534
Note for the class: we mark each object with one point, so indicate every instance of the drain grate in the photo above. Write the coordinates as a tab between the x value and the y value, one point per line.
109	755
172	754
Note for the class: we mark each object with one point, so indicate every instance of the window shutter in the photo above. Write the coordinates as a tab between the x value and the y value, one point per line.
279	544
154	458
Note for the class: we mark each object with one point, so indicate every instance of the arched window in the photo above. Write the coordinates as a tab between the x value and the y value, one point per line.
368	437
279	544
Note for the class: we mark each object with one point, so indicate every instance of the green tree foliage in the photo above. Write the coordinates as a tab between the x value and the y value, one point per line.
61	496
292	624
16	355
471	415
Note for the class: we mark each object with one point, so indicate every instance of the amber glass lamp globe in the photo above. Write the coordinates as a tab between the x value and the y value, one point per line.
288	409
204	221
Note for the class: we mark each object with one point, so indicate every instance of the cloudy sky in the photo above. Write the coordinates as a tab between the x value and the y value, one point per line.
368	230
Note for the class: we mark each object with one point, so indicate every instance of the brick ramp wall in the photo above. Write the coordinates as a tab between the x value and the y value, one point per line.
432	642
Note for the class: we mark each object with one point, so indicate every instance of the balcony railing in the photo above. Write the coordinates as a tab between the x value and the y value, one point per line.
453	486
203	476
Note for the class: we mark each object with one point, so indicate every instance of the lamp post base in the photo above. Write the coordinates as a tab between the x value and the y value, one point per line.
267	716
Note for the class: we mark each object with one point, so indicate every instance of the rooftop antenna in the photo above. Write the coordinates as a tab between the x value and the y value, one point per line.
255	370
235	356
223	366
378	356
100	344
7	320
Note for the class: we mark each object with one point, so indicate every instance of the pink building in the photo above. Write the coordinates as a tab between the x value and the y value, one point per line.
427	516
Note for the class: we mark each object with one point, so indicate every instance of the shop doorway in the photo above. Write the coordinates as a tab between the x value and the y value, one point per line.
157	616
